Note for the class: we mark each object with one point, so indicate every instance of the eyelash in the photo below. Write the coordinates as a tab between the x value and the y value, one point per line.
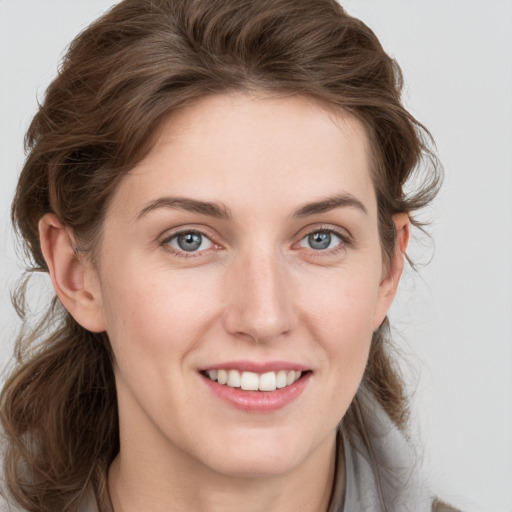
346	241
182	253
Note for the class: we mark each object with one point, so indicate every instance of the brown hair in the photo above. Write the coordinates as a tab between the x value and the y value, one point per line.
141	61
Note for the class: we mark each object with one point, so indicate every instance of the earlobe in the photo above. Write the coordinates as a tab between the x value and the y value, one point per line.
393	271
73	277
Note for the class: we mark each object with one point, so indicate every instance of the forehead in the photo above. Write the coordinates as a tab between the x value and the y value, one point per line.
252	151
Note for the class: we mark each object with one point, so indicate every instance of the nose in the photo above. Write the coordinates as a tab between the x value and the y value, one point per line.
259	298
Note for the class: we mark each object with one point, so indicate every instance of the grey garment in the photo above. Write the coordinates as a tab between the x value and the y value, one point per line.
391	480
402	486
88	502
401	489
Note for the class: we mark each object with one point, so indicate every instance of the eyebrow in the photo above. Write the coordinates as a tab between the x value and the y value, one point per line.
216	210
220	211
330	203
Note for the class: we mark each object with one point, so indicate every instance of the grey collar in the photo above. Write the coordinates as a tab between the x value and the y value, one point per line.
390	481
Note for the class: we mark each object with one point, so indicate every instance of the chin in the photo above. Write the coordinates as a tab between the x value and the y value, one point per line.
256	467
260	456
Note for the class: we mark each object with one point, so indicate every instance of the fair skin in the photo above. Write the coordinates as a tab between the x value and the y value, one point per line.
246	240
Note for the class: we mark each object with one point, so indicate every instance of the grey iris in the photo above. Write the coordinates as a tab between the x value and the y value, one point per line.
190	241
319	240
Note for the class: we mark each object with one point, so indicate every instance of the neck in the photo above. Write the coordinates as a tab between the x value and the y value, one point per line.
147	481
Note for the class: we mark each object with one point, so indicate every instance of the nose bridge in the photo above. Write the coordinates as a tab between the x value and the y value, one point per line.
259	305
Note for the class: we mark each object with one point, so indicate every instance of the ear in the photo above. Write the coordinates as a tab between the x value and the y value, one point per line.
393	270
73	276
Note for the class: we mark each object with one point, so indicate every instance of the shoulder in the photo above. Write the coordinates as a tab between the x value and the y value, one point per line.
441	506
7	503
87	504
385	472
7	506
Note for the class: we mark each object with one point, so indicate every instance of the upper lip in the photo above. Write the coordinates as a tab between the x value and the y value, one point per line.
257	367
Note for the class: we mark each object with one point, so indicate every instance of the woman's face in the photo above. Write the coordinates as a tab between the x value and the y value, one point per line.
244	247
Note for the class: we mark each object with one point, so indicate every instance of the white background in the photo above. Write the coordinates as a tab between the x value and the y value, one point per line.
453	320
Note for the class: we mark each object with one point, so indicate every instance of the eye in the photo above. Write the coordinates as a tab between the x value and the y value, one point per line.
189	241
321	240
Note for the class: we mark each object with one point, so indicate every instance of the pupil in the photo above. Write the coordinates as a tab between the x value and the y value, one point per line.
320	240
189	241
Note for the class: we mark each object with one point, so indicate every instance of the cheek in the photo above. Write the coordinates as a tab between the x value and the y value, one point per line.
345	302
156	312
345	326
341	319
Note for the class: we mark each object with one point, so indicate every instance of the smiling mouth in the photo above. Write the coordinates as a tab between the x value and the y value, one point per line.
251	381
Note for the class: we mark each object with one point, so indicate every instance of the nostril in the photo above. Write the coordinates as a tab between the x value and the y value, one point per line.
259	305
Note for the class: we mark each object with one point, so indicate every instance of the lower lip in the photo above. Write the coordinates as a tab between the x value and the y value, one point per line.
258	401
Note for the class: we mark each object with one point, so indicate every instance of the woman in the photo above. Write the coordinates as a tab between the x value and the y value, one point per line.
216	189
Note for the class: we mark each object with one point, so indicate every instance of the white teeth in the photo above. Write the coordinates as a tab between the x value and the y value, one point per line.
267	382
281	379
250	381
234	378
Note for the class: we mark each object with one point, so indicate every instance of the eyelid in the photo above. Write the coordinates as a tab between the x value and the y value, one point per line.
174	242
168	235
342	232
346	238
